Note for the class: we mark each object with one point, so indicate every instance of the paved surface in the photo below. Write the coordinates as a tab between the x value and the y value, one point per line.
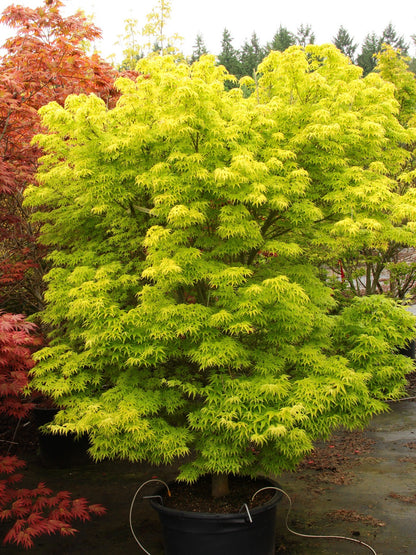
369	494
381	496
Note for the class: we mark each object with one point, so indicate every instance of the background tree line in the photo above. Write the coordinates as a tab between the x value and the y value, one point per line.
138	42
244	60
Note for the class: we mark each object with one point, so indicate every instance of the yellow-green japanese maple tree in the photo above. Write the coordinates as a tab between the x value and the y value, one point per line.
184	224
374	254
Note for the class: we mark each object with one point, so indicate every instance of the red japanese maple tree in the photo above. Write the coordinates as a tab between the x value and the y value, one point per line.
36	511
45	60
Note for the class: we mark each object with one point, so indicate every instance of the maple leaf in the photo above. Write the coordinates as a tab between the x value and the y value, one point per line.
39	511
18	338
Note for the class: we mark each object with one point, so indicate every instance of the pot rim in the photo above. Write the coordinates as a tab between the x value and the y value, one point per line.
158	506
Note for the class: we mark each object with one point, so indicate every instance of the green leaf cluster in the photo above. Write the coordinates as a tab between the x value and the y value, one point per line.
186	311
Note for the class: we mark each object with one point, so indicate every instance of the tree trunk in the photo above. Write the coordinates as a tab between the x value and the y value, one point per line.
368	284
220	486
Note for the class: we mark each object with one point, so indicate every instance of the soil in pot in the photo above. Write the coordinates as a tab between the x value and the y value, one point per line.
197	497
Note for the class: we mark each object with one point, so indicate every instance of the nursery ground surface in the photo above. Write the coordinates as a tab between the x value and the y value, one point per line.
360	485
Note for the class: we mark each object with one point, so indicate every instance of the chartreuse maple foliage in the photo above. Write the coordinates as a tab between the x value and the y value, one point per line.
346	132
389	256
352	144
187	313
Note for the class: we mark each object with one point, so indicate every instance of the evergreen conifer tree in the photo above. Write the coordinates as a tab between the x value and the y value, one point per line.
199	49
282	39
369	49
391	38
373	44
229	57
305	35
344	42
251	55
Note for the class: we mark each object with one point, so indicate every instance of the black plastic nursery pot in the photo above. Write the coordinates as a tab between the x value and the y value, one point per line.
249	532
58	450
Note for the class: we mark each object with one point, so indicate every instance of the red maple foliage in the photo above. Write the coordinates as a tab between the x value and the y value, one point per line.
45	60
17	340
36	511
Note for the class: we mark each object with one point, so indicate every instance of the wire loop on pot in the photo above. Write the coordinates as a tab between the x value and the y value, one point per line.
131	508
245	506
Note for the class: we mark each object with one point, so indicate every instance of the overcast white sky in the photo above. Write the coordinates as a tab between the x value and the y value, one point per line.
242	17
